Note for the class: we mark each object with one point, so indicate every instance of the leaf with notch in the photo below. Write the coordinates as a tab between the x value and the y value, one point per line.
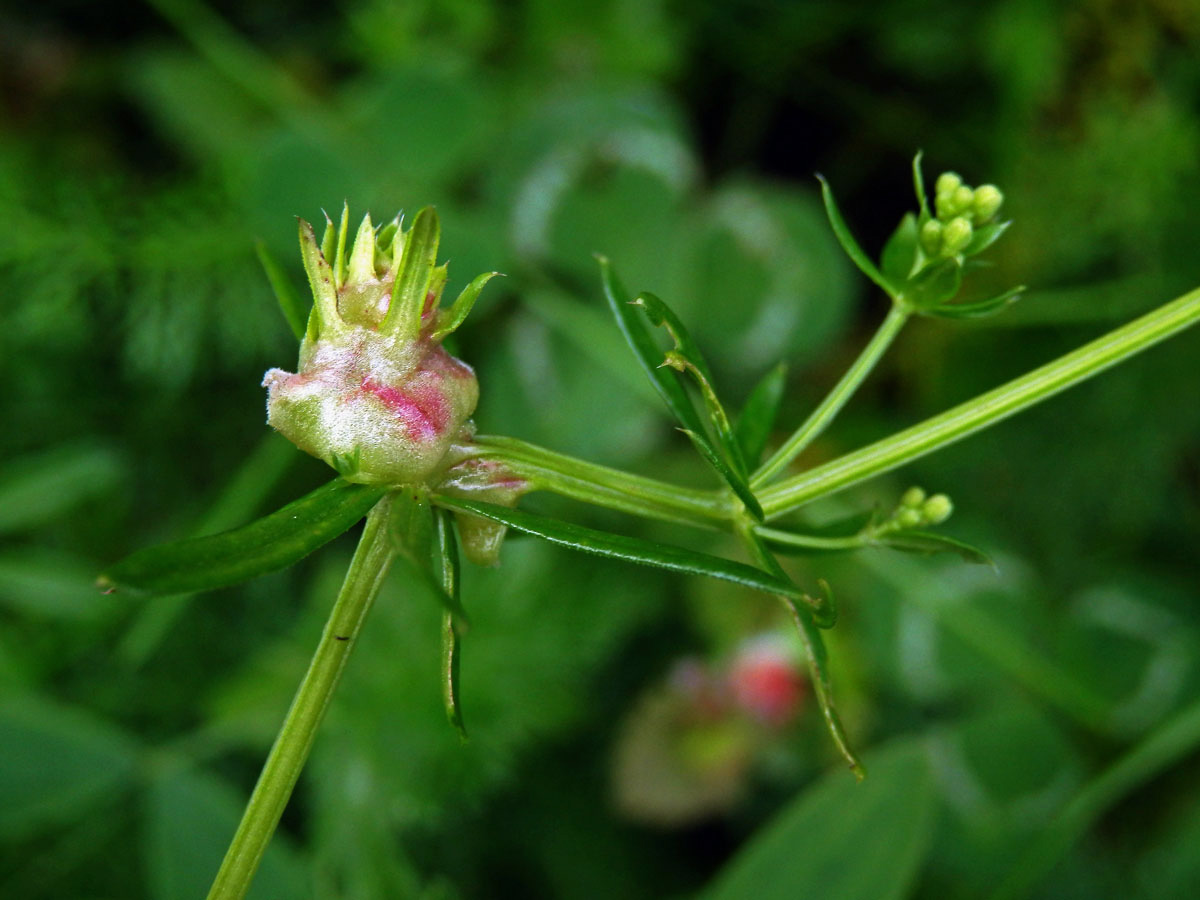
629	549
757	418
646	350
856	253
274	542
686	357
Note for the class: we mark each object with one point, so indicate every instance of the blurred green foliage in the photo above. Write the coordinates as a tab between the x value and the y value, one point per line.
143	150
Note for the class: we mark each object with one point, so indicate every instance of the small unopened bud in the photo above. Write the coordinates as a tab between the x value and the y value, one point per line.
956	235
962	199
913	497
909	518
931	237
936	509
987	202
947	183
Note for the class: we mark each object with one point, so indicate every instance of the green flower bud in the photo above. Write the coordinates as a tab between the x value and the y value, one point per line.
931	237
947	183
913	497
936	509
956	235
962	200
375	395
909	518
987	202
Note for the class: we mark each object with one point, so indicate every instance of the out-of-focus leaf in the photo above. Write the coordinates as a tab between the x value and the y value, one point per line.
55	762
49	584
856	253
273	542
295	309
190	817
978	309
929	542
840	840
39	488
629	549
757	418
936	285
984	236
902	251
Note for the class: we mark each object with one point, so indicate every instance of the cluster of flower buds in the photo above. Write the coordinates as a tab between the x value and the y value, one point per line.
960	210
916	510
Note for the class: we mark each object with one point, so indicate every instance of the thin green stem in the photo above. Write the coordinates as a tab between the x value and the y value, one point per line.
602	486
813	541
837	398
1164	747
985	410
371	562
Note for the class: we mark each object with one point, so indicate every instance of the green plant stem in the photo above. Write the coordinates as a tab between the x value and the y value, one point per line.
1165	746
820	418
983	411
813	541
367	570
602	486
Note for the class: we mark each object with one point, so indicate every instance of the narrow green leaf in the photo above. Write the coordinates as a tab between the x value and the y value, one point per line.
902	252
919	184
928	542
984	236
979	309
757	418
737	483
646	350
856	253
843	841
446	554
42	486
273	542
295	310
686	357
450	319
629	549
412	525
936	285
415	271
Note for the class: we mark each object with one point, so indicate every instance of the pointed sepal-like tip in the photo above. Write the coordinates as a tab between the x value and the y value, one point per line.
339	260
328	238
320	281
414	272
450	319
362	254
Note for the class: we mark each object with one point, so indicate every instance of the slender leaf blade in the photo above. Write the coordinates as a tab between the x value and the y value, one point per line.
413	531
928	542
979	309
295	310
646	350
755	422
273	542
737	483
446	556
450	319
629	549
856	253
